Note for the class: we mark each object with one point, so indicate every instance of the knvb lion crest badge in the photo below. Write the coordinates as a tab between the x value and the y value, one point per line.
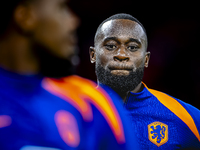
158	133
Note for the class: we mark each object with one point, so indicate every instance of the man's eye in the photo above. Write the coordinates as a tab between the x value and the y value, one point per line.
132	48
110	47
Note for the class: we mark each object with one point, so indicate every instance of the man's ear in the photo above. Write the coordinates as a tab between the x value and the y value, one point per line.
25	18
147	57
92	53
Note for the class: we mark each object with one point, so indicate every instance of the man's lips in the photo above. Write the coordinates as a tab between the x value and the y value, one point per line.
120	67
72	40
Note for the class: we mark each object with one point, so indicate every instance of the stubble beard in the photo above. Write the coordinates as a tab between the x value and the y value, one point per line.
121	84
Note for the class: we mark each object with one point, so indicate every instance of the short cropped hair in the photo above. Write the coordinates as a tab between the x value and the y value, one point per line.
119	16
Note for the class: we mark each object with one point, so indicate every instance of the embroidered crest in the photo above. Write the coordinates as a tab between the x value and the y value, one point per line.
158	133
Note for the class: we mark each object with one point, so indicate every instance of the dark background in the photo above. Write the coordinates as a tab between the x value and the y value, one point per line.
173	35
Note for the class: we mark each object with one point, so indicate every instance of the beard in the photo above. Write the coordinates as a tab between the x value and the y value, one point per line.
51	65
121	84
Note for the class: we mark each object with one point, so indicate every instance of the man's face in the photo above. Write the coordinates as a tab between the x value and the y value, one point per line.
55	27
120	54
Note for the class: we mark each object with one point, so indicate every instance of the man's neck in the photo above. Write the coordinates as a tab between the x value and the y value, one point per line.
138	89
16	55
124	95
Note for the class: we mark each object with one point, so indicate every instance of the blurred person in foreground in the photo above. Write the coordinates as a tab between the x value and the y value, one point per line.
160	120
39	113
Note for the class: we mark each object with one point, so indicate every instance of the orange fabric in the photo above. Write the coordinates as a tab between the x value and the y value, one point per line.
177	109
80	92
67	128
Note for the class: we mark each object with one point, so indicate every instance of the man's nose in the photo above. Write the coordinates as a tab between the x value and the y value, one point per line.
121	56
74	20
